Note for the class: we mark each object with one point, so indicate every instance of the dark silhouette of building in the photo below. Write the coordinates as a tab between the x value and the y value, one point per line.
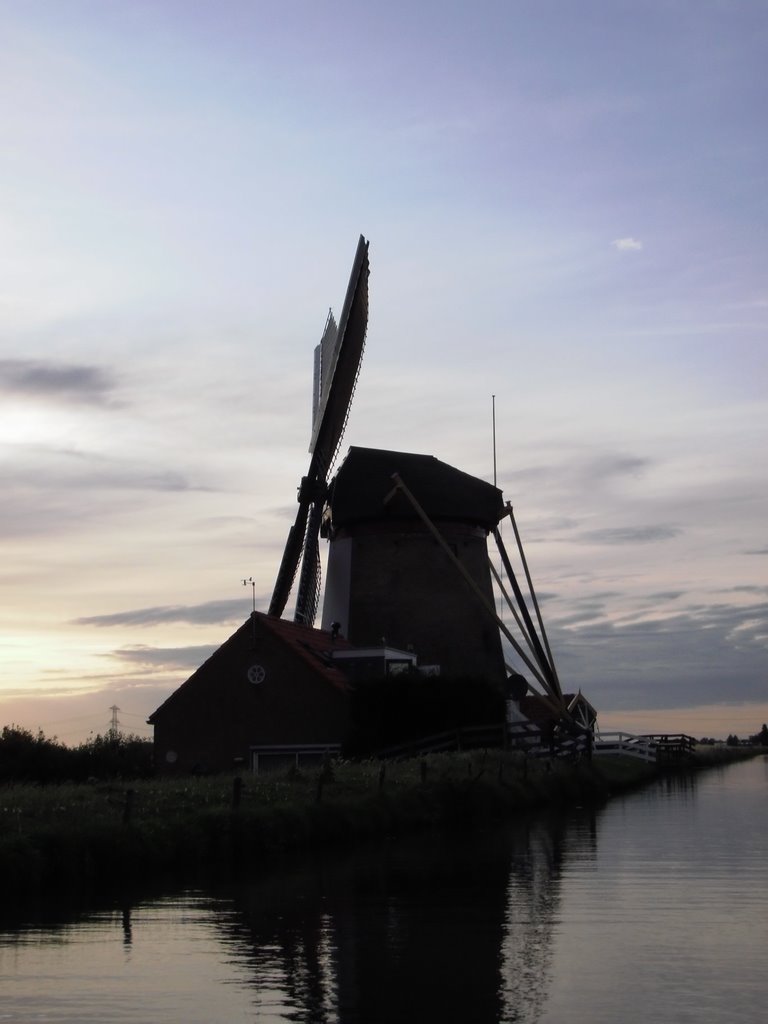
388	576
269	692
275	694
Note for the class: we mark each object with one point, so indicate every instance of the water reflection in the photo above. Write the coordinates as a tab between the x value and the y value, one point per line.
656	904
448	926
127	932
532	906
436	928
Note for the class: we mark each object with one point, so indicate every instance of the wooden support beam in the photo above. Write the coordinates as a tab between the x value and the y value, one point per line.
400	486
524	560
552	684
511	605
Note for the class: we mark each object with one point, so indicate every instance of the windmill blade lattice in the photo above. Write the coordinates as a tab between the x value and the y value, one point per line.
337	365
308	594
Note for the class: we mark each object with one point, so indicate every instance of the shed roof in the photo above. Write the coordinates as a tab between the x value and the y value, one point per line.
539	709
364	481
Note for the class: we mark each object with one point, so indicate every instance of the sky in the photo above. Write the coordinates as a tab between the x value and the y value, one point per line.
566	208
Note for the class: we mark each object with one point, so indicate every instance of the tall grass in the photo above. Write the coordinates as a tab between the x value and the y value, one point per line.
80	837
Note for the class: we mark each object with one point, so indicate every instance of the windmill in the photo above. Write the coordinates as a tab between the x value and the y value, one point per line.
408	561
337	364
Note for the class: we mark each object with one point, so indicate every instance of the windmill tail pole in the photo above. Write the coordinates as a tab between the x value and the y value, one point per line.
400	486
512	607
533	597
537	649
554	702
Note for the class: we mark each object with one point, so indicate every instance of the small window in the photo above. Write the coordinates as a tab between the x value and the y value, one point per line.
256	674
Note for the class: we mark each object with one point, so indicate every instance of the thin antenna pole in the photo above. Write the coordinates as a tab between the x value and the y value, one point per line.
252	582
493	407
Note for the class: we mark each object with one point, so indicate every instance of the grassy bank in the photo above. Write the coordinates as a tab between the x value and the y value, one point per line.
90	837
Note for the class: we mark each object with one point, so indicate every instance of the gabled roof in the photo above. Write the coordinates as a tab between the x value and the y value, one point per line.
313	646
364	480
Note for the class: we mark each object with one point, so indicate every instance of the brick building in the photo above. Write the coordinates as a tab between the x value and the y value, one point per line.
274	694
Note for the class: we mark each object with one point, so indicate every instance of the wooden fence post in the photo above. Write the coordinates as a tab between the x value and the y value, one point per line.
237	789
128	806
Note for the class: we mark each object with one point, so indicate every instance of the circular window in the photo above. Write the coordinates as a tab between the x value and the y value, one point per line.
171	757
256	674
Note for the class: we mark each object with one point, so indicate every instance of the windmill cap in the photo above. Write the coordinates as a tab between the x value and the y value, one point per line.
364	481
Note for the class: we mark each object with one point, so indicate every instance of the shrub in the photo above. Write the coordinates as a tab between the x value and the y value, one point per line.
396	709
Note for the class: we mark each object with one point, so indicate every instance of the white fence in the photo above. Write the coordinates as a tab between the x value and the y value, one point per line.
626	744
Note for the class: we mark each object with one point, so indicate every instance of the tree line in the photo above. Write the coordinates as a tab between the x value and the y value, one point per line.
33	757
382	715
758	739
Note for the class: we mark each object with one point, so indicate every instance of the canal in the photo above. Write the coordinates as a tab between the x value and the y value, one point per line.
653	907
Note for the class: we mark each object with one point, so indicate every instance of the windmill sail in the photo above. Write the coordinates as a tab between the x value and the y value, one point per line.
337	364
325	358
340	376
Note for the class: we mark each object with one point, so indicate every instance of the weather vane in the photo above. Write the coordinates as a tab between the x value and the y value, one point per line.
253	587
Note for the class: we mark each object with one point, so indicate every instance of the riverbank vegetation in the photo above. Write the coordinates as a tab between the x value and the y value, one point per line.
78	839
34	757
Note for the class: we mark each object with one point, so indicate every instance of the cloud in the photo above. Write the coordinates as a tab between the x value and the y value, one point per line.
54	470
53	493
164	658
69	382
585	611
206	614
628	535
627	244
542	596
49	489
612	465
705	654
590	469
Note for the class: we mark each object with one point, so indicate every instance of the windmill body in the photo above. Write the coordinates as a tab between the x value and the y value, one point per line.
389	580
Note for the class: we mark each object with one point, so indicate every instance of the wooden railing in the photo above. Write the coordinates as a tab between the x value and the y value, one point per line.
526	736
471	737
625	744
672	746
520	735
646	746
